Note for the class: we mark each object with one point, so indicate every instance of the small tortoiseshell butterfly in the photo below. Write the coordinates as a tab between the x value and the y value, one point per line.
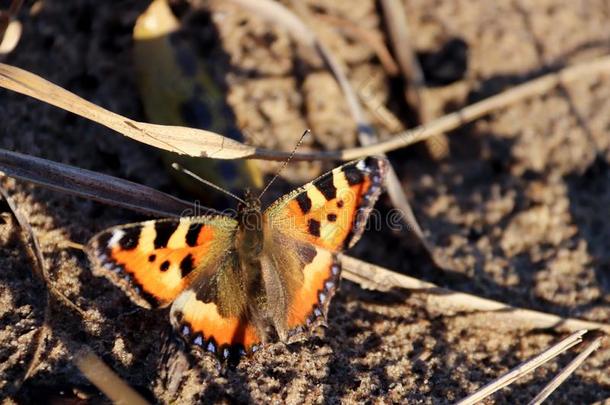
232	282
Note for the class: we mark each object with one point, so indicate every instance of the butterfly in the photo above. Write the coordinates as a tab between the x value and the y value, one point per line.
235	284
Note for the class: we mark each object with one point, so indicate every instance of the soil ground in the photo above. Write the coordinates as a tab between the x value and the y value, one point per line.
520	205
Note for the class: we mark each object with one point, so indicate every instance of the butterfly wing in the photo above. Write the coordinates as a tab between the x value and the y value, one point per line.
331	211
215	314
153	261
308	226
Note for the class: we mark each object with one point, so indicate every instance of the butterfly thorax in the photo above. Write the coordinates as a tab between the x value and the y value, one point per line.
249	244
249	238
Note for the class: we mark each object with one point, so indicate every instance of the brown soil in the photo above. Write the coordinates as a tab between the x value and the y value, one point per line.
520	206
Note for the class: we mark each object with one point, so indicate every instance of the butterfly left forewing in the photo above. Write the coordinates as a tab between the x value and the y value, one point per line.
154	261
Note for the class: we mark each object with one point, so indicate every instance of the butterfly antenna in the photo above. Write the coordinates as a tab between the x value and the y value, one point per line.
307	131
204	181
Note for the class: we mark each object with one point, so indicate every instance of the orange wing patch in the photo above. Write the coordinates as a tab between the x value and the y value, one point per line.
331	212
154	261
201	324
310	304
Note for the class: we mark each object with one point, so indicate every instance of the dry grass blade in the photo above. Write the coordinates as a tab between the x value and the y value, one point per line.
395	17
10	39
566	372
467	114
524	368
106	380
10	29
181	140
446	302
92	185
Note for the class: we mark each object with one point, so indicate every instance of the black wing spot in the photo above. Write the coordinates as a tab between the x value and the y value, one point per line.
340	204
331	217
164	230
326	186
152	258
130	239
165	265
353	175
187	265
313	226
304	202
193	234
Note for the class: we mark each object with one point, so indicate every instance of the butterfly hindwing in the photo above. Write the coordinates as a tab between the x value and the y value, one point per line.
154	261
215	314
309	305
331	211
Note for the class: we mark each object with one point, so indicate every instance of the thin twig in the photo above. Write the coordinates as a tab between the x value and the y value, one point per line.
566	372
105	379
94	186
524	369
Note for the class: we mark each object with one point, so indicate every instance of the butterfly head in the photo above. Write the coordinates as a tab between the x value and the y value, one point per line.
251	203
249	212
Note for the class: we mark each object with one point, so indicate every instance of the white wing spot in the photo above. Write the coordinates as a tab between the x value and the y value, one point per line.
117	234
